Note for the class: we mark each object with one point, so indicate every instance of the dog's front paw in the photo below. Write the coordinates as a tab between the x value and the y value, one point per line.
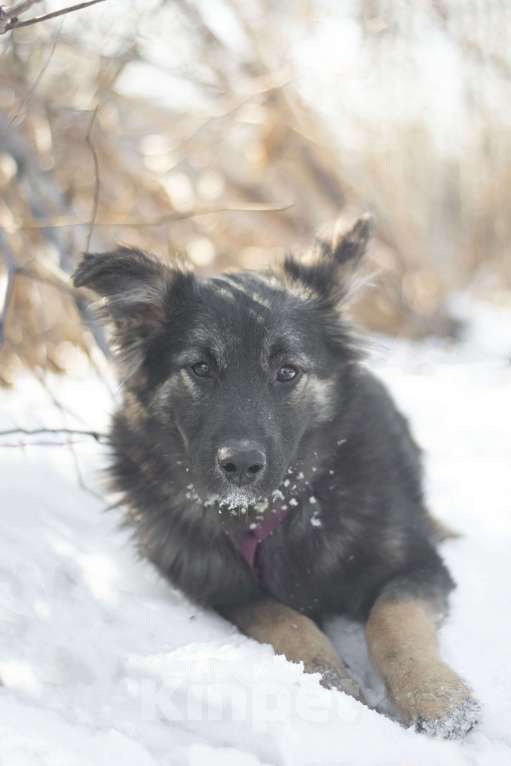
455	725
435	699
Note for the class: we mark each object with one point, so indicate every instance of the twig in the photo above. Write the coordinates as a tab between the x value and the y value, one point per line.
70	442
17	10
9	20
83	309
43	194
28	95
60	223
54	280
66	443
96	435
95	160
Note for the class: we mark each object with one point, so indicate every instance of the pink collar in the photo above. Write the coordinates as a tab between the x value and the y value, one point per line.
252	537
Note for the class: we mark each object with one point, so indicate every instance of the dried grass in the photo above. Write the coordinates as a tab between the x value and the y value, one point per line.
80	160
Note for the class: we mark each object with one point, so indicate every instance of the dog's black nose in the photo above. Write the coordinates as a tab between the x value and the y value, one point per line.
241	462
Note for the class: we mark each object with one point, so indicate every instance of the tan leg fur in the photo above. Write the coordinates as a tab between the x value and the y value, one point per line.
296	637
402	641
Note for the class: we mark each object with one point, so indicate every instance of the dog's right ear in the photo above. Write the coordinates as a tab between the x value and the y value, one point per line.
135	296
132	285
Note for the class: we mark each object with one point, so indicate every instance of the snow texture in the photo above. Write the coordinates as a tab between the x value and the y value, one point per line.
104	663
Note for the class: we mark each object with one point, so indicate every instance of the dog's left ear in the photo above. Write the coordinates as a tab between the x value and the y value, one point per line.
328	275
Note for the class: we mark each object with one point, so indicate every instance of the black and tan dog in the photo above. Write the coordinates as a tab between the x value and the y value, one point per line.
269	475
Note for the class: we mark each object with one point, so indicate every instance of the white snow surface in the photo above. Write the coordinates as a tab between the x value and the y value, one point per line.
102	662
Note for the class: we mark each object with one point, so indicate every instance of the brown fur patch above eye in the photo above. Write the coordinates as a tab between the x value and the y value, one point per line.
181	381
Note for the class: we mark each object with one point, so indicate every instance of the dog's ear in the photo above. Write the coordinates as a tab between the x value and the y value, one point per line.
328	275
349	248
135	296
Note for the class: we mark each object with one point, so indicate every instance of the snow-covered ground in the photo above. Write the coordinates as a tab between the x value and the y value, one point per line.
104	663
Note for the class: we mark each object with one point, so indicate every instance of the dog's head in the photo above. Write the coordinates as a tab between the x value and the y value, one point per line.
241	369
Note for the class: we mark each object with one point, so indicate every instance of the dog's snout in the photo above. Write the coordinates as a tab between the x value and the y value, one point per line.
241	463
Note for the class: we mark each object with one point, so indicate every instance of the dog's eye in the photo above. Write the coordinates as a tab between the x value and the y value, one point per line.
286	373
201	369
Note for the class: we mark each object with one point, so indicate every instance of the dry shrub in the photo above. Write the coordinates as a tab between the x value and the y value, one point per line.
256	162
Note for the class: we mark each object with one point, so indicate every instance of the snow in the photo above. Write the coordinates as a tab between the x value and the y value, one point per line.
103	663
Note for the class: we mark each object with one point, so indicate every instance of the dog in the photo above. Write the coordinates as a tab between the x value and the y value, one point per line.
268	474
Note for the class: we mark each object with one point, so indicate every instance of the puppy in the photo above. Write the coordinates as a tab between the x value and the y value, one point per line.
269	475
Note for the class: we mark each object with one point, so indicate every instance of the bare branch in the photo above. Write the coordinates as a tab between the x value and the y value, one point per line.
64	413
28	95
9	20
54	280
44	196
61	222
42	443
96	435
95	160
20	8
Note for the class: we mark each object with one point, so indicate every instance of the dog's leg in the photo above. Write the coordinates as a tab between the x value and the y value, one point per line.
402	640
296	637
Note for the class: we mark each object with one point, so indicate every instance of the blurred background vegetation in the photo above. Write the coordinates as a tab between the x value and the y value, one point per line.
234	130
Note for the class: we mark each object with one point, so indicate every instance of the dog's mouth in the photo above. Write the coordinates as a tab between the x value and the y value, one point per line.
242	501
238	501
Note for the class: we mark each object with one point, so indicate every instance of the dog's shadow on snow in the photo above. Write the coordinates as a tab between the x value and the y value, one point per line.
350	642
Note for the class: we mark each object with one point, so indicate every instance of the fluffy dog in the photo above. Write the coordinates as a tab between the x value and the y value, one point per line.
268	474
